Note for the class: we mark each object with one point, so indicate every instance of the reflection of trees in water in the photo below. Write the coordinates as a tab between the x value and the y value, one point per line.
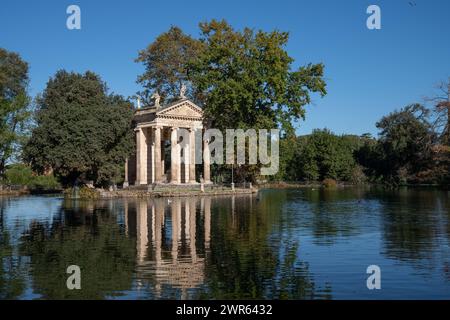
413	221
415	227
219	247
87	236
246	261
411	224
12	284
331	214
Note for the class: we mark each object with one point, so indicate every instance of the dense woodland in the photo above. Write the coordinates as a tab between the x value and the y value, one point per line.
77	131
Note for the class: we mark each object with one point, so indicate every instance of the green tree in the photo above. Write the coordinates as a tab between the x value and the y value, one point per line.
82	131
19	174
441	106
242	79
323	155
287	168
404	147
247	81
14	106
166	62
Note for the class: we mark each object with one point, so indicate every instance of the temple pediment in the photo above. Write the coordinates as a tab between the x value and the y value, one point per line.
184	109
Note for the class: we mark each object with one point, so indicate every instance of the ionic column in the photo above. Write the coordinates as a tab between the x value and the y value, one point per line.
206	161
175	174
151	178
157	150
141	157
163	160
187	159
126	182
192	156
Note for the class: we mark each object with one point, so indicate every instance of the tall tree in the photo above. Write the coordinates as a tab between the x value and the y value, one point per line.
441	104
14	105
166	62
82	131
405	145
247	79
323	154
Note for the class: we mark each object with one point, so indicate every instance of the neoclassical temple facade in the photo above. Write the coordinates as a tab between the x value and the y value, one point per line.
160	156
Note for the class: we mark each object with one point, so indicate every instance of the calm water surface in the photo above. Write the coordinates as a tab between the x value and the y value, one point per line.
283	244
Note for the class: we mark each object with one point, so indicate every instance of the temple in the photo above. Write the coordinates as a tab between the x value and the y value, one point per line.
164	155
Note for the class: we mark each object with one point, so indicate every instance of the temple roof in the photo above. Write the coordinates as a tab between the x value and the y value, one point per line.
182	109
152	108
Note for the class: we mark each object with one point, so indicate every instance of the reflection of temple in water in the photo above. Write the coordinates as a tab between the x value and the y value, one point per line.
172	236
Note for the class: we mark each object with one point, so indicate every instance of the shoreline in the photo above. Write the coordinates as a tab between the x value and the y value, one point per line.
183	192
103	194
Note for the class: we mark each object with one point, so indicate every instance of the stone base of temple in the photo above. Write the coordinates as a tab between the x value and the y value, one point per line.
139	192
175	185
168	184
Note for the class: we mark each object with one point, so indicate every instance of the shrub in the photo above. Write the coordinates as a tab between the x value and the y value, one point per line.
44	183
329	183
21	174
83	193
357	175
18	174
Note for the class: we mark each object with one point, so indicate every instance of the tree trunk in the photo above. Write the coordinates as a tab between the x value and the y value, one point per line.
2	167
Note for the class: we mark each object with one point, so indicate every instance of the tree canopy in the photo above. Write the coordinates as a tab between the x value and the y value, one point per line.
407	151
320	155
247	79
82	131
441	106
14	105
166	62
404	147
243	79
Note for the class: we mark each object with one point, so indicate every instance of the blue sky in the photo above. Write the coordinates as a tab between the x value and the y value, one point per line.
369	72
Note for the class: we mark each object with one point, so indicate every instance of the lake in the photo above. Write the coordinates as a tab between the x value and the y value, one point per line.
278	244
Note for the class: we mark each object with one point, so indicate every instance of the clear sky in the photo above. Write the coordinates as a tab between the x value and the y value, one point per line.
369	72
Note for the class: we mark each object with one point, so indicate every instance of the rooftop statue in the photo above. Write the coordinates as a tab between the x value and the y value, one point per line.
157	98
183	91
